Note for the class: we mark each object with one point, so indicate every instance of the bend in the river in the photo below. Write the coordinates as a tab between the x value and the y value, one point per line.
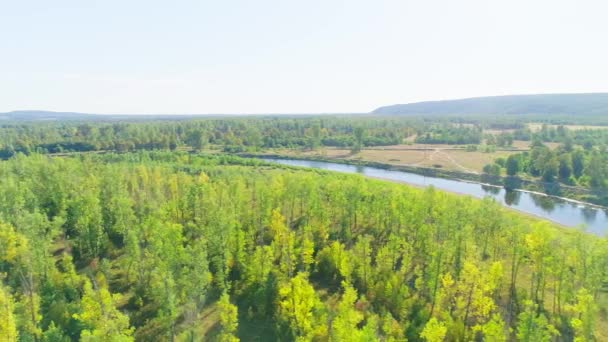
566	213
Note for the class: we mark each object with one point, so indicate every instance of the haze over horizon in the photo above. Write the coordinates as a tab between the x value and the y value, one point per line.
201	57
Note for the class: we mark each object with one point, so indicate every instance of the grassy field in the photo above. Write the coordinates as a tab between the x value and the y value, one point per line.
447	157
497	131
535	127
435	156
525	145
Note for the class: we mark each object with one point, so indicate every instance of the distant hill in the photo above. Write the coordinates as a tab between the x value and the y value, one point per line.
35	115
41	115
591	104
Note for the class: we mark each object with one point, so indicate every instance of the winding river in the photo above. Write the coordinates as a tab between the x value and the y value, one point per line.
567	213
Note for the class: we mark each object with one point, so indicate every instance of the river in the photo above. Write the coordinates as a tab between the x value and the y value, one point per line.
567	213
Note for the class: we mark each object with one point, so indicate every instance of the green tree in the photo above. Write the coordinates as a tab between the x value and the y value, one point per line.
565	166
359	136
578	163
596	171
315	137
362	260
534	327
492	169
550	167
197	139
228	319
512	165
54	334
85	218
253	138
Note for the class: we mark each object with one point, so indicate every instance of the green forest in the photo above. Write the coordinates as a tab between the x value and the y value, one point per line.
581	157
177	246
303	171
231	134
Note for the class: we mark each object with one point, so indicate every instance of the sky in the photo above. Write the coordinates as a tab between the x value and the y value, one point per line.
287	56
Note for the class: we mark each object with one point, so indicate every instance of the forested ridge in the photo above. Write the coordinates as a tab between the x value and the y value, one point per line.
170	246
583	104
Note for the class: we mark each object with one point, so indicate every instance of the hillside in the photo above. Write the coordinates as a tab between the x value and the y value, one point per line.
595	104
43	115
34	115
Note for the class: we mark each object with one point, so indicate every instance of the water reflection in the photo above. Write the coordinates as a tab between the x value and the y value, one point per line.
512	197
545	202
494	190
589	213
512	183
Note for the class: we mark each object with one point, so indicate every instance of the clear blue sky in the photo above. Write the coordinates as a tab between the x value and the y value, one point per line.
288	56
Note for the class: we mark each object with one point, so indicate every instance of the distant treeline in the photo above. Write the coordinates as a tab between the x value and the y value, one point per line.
238	134
450	134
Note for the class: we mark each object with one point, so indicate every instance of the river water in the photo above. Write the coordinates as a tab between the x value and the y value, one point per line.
588	217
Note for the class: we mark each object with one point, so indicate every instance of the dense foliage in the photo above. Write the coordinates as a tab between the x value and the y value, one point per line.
231	134
580	159
450	134
171	246
570	166
588	137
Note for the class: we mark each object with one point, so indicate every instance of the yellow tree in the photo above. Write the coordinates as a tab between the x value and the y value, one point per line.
584	311
434	331
538	246
307	250
283	243
470	297
8	330
297	300
16	253
493	330
13	244
344	326
99	314
472	293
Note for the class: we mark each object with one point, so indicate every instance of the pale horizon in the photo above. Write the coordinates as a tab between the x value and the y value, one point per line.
290	113
270	57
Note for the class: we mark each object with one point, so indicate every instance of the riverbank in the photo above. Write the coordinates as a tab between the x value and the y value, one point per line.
575	195
558	211
521	212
